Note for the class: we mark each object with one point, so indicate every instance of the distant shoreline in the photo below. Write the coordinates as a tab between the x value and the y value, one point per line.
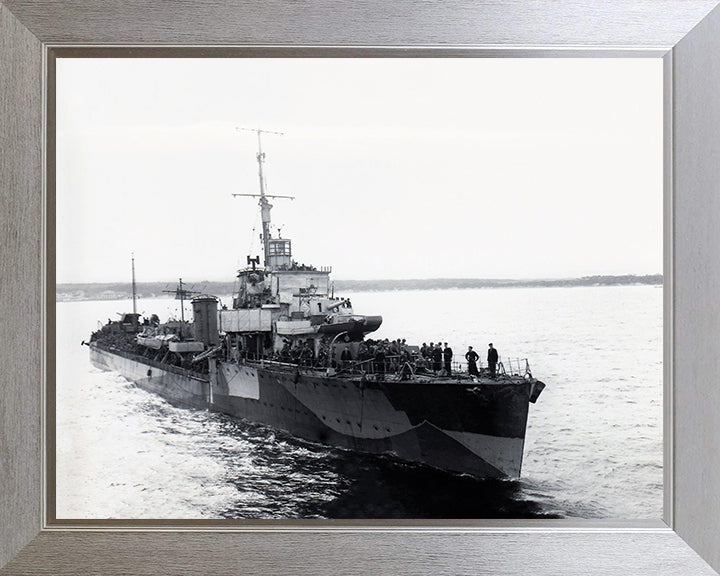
122	290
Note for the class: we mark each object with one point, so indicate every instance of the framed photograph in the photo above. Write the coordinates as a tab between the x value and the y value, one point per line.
443	191
65	100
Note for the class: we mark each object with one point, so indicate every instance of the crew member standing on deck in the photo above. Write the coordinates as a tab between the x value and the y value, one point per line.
447	357
380	363
437	358
492	359
472	357
346	357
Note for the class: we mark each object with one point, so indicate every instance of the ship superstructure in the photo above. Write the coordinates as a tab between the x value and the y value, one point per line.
283	308
291	354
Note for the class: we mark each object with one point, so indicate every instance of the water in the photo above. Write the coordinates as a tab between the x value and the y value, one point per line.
593	447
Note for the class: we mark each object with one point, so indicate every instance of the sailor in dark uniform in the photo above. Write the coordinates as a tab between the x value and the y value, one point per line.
447	357
492	359
472	357
380	364
437	359
346	357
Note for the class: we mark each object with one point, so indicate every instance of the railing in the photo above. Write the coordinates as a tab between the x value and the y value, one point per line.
514	367
397	366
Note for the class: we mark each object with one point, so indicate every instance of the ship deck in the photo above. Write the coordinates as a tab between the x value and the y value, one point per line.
151	362
352	374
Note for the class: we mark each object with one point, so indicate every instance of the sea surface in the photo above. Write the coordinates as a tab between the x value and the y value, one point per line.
593	447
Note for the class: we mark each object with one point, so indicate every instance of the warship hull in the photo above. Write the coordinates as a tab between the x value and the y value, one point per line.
179	387
473	427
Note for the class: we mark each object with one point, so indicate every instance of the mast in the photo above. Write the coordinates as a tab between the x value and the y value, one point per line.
181	294
265	205
133	284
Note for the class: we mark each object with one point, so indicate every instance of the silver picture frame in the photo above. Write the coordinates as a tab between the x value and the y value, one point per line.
684	33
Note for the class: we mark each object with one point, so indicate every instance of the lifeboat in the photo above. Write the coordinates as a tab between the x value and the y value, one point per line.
351	324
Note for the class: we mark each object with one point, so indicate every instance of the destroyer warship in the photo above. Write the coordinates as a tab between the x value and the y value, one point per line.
293	355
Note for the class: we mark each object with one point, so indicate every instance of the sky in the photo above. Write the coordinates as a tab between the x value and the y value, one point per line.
400	168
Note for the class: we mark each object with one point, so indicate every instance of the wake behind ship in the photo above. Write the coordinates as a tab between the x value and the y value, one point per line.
292	355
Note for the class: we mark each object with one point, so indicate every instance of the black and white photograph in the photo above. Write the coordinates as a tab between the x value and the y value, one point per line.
359	288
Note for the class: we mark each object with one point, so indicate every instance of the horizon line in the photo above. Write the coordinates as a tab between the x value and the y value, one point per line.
436	278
